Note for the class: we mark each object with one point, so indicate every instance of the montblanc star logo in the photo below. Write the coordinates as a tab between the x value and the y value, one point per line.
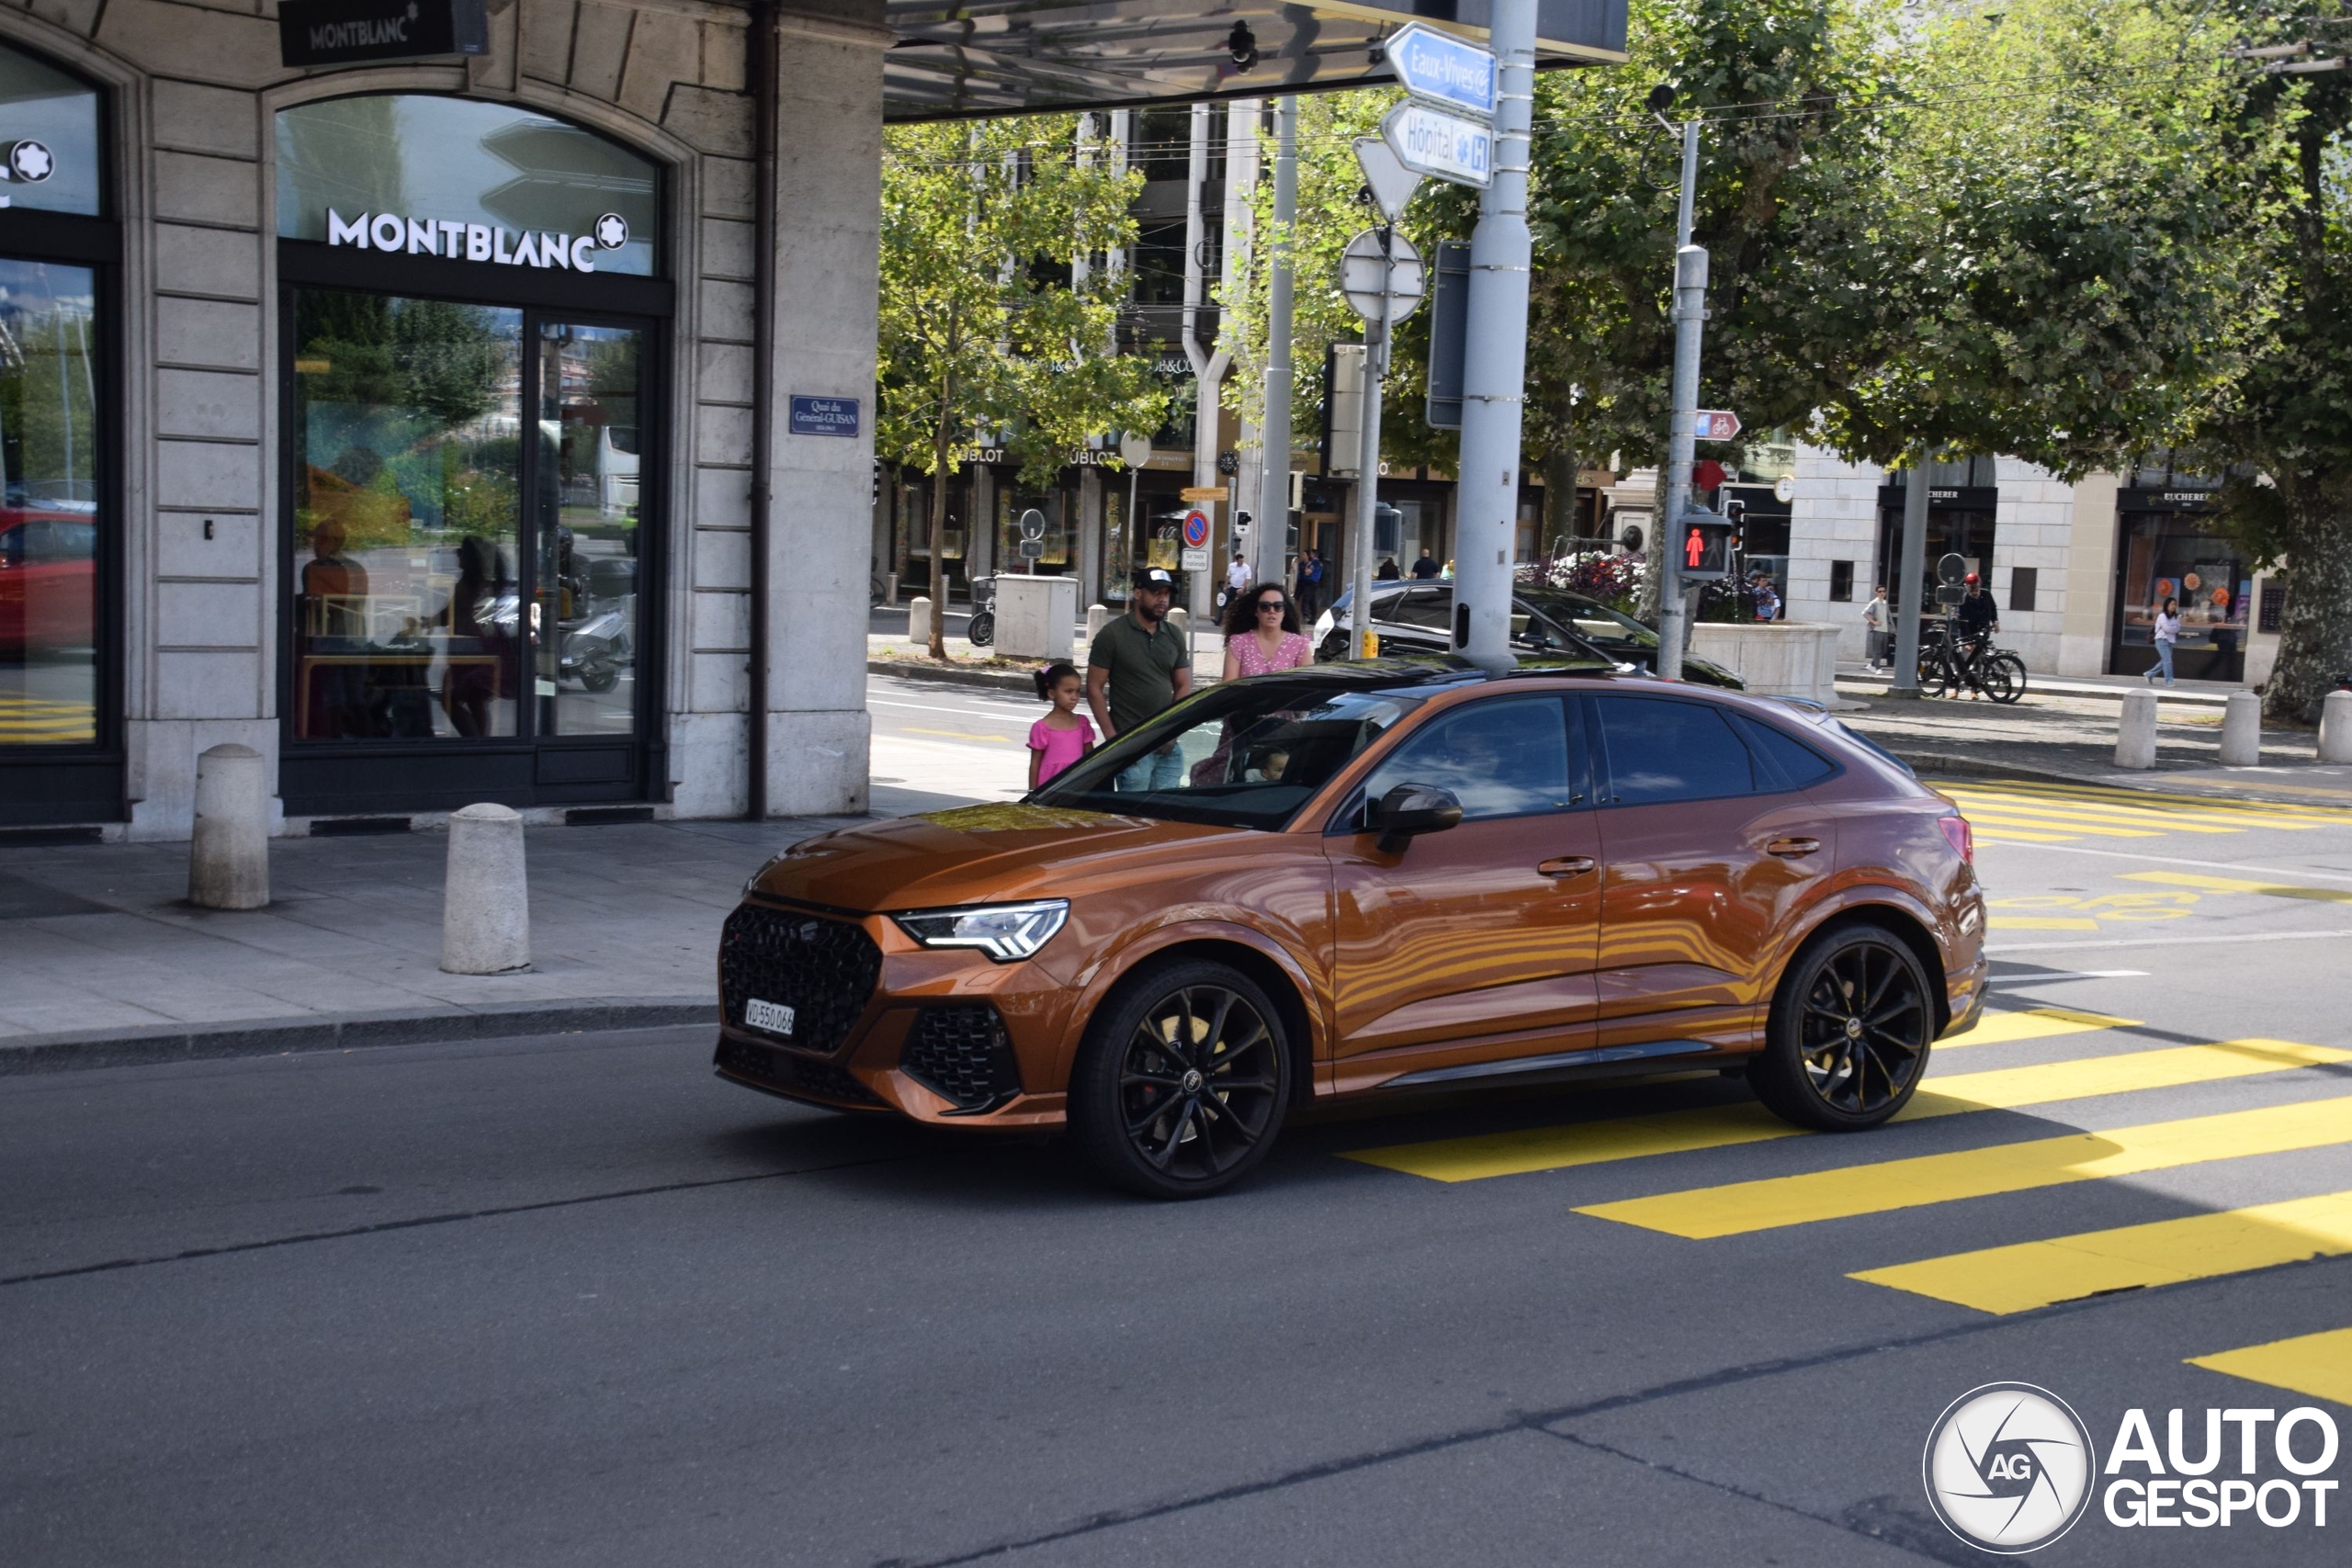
612	231
30	162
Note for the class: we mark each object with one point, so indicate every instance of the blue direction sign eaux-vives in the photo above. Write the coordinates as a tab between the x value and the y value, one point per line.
1444	69
1196	528
822	416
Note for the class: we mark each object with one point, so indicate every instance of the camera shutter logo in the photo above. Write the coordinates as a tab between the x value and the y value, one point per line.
2008	1467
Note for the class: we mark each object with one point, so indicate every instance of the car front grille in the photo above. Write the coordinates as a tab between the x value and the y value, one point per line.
962	1053
794	1074
823	970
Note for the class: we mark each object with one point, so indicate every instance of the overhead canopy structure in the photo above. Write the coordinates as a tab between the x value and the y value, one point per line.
962	58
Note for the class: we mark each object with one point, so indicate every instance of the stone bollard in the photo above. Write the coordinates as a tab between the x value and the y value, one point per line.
1182	621
486	896
2335	727
2135	737
2242	730
228	858
1097	617
918	619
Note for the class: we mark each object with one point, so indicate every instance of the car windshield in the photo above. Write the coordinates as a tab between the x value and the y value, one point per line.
1589	618
1247	754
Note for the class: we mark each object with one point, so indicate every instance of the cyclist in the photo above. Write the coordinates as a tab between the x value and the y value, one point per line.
1979	619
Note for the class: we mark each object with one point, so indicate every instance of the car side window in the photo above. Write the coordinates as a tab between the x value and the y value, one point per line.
1660	749
1500	758
1798	763
1421	608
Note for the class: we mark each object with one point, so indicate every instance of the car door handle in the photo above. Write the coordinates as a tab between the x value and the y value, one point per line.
1793	849
1568	865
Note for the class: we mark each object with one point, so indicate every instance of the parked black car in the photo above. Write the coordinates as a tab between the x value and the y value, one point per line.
1417	618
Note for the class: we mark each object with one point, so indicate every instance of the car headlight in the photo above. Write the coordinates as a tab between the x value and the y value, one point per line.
1003	931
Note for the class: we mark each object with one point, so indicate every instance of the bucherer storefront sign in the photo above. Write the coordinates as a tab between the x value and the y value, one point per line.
391	232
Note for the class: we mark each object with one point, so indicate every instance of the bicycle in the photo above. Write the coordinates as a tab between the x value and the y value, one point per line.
1943	673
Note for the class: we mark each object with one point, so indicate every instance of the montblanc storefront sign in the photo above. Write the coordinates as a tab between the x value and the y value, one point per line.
340	32
391	233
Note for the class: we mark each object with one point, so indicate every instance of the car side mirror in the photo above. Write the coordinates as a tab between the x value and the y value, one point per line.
1412	810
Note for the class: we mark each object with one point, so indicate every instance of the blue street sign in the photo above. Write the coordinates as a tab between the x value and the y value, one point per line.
1445	70
1196	528
823	416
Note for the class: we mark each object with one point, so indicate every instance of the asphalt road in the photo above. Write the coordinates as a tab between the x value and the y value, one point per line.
572	1300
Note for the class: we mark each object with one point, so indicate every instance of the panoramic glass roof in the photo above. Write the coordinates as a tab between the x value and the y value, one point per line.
989	57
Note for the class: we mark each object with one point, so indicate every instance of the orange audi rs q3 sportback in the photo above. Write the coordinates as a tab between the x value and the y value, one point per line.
1355	879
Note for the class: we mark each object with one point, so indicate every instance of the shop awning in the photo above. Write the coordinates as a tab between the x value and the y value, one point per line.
958	58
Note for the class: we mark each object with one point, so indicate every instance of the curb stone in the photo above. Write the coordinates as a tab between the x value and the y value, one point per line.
74	1050
908	669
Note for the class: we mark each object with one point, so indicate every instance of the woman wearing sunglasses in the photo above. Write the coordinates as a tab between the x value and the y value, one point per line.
1261	634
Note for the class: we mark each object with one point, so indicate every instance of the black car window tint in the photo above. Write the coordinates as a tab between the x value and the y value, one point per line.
1660	749
1422	607
1799	763
1505	758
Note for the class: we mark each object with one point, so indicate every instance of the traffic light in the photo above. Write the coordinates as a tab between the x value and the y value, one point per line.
1735	514
1702	545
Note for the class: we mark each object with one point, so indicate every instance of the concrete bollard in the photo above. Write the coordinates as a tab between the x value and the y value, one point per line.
1097	617
2335	727
2135	737
918	619
486	894
228	858
1182	621
2242	730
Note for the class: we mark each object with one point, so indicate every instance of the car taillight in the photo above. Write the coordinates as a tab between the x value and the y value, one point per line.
1960	836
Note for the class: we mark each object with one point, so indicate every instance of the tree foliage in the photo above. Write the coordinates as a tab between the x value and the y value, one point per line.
996	312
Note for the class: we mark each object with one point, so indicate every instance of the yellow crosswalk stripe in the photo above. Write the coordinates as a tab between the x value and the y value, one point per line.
2073	825
2199	808
2041	923
1479	1158
2316	1364
2067	814
2240	884
2033	1023
2010	836
1742	1207
2003	1280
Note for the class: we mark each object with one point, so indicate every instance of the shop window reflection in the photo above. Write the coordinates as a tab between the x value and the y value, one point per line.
586	623
406	518
48	507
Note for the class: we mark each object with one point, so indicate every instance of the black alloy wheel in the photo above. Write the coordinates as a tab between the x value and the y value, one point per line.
1183	1082
1849	1032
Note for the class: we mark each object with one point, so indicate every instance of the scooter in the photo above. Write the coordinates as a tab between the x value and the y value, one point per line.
594	651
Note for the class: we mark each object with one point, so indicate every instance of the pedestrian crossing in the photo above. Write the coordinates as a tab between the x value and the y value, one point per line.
2081	1056
36	721
2017	812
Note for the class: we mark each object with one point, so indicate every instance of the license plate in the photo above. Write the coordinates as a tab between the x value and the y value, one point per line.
774	1018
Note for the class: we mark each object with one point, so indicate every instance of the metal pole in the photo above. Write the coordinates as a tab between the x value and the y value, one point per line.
1375	362
1494	380
1267	556
1681	443
1909	577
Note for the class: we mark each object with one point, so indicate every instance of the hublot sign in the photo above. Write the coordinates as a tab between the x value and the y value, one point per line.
342	32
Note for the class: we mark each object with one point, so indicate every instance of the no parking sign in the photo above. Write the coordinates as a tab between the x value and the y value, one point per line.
1196	528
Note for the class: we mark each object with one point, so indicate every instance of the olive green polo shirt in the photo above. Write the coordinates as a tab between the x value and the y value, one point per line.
1143	667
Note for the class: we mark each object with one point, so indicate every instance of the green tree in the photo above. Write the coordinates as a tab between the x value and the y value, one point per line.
997	311
2290	428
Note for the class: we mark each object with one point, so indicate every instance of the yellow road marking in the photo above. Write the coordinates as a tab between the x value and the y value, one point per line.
2240	885
2097	830
2317	1364
2033	1023
1743	1207
957	734
2040	923
2203	808
2009	836
2058	814
1723	1126
2003	1279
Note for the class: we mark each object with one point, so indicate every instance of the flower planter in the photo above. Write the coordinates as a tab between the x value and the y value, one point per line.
1777	659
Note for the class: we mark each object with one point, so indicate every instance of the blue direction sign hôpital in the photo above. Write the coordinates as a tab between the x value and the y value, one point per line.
1445	145
1444	69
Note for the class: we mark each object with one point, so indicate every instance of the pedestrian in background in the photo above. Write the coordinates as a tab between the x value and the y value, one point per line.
1138	667
1874	615
1310	583
1426	568
2168	635
1261	634
1236	581
1063	736
1387	572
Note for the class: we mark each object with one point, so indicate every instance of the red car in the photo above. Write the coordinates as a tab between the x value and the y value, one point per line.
49	581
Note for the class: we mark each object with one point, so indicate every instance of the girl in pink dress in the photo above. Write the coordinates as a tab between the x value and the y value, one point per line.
1261	634
1063	736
